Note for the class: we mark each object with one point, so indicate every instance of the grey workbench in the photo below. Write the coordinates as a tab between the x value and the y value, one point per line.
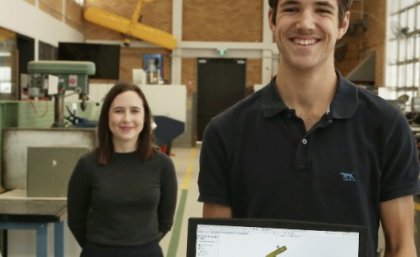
36	214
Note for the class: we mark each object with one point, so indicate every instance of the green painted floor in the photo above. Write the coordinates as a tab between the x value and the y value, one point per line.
186	163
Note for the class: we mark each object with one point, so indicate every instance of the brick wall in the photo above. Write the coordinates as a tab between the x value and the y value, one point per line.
238	21
231	21
360	43
73	15
189	74
375	36
253	71
52	7
132	58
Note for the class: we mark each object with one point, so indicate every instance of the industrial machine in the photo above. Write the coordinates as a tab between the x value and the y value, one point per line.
54	78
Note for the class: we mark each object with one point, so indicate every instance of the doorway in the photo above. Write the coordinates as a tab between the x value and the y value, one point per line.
221	83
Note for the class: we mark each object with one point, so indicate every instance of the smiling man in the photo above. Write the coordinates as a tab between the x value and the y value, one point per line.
311	145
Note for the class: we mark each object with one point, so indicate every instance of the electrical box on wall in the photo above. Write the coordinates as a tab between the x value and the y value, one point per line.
153	66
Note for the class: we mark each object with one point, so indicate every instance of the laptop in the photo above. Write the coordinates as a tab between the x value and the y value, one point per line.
49	169
274	238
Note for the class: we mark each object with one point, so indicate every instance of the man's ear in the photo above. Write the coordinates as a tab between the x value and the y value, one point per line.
270	19
344	25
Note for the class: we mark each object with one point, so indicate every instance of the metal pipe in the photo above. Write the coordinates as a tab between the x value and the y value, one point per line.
59	111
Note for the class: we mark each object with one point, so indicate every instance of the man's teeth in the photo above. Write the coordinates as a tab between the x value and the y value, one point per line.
304	42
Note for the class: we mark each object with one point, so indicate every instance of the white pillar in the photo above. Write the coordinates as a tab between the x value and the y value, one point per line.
267	62
176	62
36	49
176	69
267	53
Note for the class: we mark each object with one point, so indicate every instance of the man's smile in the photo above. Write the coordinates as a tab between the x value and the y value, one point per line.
304	42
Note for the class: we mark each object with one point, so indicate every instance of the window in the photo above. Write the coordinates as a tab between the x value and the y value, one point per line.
5	80
403	47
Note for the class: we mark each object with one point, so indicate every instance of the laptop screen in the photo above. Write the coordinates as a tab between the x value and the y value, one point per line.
271	238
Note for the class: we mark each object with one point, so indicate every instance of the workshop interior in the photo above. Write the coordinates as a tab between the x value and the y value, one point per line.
58	58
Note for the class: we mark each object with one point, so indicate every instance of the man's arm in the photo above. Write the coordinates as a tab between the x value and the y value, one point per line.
213	210
397	217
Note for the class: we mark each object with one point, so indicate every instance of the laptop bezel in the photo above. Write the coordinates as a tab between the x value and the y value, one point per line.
271	223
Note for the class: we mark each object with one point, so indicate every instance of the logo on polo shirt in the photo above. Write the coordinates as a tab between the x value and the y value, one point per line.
348	177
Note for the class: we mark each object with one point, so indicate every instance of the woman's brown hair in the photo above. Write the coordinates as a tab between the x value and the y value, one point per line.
145	145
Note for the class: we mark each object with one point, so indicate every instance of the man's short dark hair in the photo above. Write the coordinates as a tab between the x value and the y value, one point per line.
343	7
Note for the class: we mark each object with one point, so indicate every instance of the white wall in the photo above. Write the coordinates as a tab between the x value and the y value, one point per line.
165	100
26	19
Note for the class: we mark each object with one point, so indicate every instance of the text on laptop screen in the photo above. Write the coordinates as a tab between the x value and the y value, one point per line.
228	241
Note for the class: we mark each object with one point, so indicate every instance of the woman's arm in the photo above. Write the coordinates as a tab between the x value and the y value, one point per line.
78	197
167	203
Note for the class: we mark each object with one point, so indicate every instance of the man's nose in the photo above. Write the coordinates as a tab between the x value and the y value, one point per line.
306	21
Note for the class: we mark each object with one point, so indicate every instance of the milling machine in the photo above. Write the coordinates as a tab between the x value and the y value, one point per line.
54	78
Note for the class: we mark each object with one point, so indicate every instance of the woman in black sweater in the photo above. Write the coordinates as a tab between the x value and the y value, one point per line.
122	195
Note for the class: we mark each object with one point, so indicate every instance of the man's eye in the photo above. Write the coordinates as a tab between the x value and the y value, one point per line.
291	9
325	11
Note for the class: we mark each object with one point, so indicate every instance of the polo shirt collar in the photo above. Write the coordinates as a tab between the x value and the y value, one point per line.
345	101
271	100
343	106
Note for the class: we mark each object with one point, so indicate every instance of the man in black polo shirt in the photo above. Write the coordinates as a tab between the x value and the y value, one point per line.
311	145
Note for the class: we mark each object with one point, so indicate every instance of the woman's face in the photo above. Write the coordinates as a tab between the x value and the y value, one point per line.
126	120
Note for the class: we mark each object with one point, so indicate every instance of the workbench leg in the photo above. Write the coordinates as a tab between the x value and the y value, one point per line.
42	240
59	239
3	252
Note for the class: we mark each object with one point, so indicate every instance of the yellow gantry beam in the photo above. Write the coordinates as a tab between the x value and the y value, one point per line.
130	27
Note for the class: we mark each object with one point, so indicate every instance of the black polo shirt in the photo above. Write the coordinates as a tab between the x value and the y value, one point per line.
258	158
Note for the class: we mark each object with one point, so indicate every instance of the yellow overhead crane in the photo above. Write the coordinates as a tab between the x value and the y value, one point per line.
130	27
